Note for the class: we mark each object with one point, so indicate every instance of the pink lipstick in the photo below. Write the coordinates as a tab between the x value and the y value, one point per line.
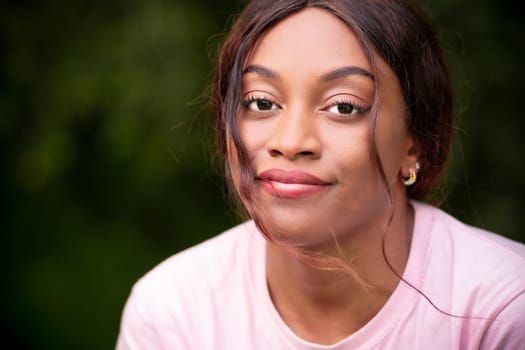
290	184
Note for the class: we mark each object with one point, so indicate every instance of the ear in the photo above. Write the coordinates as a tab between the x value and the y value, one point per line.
411	156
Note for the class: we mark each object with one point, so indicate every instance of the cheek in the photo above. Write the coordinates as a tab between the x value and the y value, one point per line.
351	141
254	136
391	141
351	151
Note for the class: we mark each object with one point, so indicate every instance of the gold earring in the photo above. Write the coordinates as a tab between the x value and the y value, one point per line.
412	175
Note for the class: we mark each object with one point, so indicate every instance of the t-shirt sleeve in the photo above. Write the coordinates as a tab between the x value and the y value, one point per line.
507	330
136	327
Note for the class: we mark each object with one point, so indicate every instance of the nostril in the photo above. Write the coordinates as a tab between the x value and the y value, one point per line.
290	155
294	139
275	153
306	153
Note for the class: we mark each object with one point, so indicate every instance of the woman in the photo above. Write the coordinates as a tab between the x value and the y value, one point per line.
334	117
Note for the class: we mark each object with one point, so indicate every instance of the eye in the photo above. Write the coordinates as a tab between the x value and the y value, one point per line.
259	104
346	108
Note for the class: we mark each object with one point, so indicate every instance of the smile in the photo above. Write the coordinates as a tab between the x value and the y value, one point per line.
290	184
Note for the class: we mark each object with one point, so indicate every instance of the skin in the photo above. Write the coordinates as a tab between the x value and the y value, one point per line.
299	115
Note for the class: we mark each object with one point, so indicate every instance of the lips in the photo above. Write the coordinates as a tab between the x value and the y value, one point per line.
290	184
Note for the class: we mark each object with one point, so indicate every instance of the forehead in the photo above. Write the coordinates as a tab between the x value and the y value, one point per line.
310	39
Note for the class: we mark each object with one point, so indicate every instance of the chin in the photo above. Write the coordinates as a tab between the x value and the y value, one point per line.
297	227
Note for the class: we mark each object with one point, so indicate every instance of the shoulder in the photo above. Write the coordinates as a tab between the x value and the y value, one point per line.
463	241
473	273
181	295
476	241
467	253
207	262
473	264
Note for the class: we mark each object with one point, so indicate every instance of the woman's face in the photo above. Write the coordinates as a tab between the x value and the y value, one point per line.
307	92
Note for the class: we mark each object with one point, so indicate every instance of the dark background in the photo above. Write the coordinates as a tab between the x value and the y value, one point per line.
106	146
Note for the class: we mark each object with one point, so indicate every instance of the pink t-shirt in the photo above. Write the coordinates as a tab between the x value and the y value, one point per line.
214	296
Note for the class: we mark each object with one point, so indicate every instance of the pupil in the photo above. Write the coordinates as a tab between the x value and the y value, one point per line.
345	108
264	104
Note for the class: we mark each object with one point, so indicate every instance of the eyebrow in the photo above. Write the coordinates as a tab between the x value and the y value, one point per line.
265	72
330	76
346	71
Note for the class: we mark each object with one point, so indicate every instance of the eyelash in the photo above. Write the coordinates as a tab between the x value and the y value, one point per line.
247	102
356	107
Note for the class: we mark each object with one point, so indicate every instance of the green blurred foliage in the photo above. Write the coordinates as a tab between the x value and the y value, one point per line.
486	55
106	147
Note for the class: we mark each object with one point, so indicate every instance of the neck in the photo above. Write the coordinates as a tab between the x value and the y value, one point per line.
326	305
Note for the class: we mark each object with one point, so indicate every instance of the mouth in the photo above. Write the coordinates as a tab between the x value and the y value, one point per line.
290	184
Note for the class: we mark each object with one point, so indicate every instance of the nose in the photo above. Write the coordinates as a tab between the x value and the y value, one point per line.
295	136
